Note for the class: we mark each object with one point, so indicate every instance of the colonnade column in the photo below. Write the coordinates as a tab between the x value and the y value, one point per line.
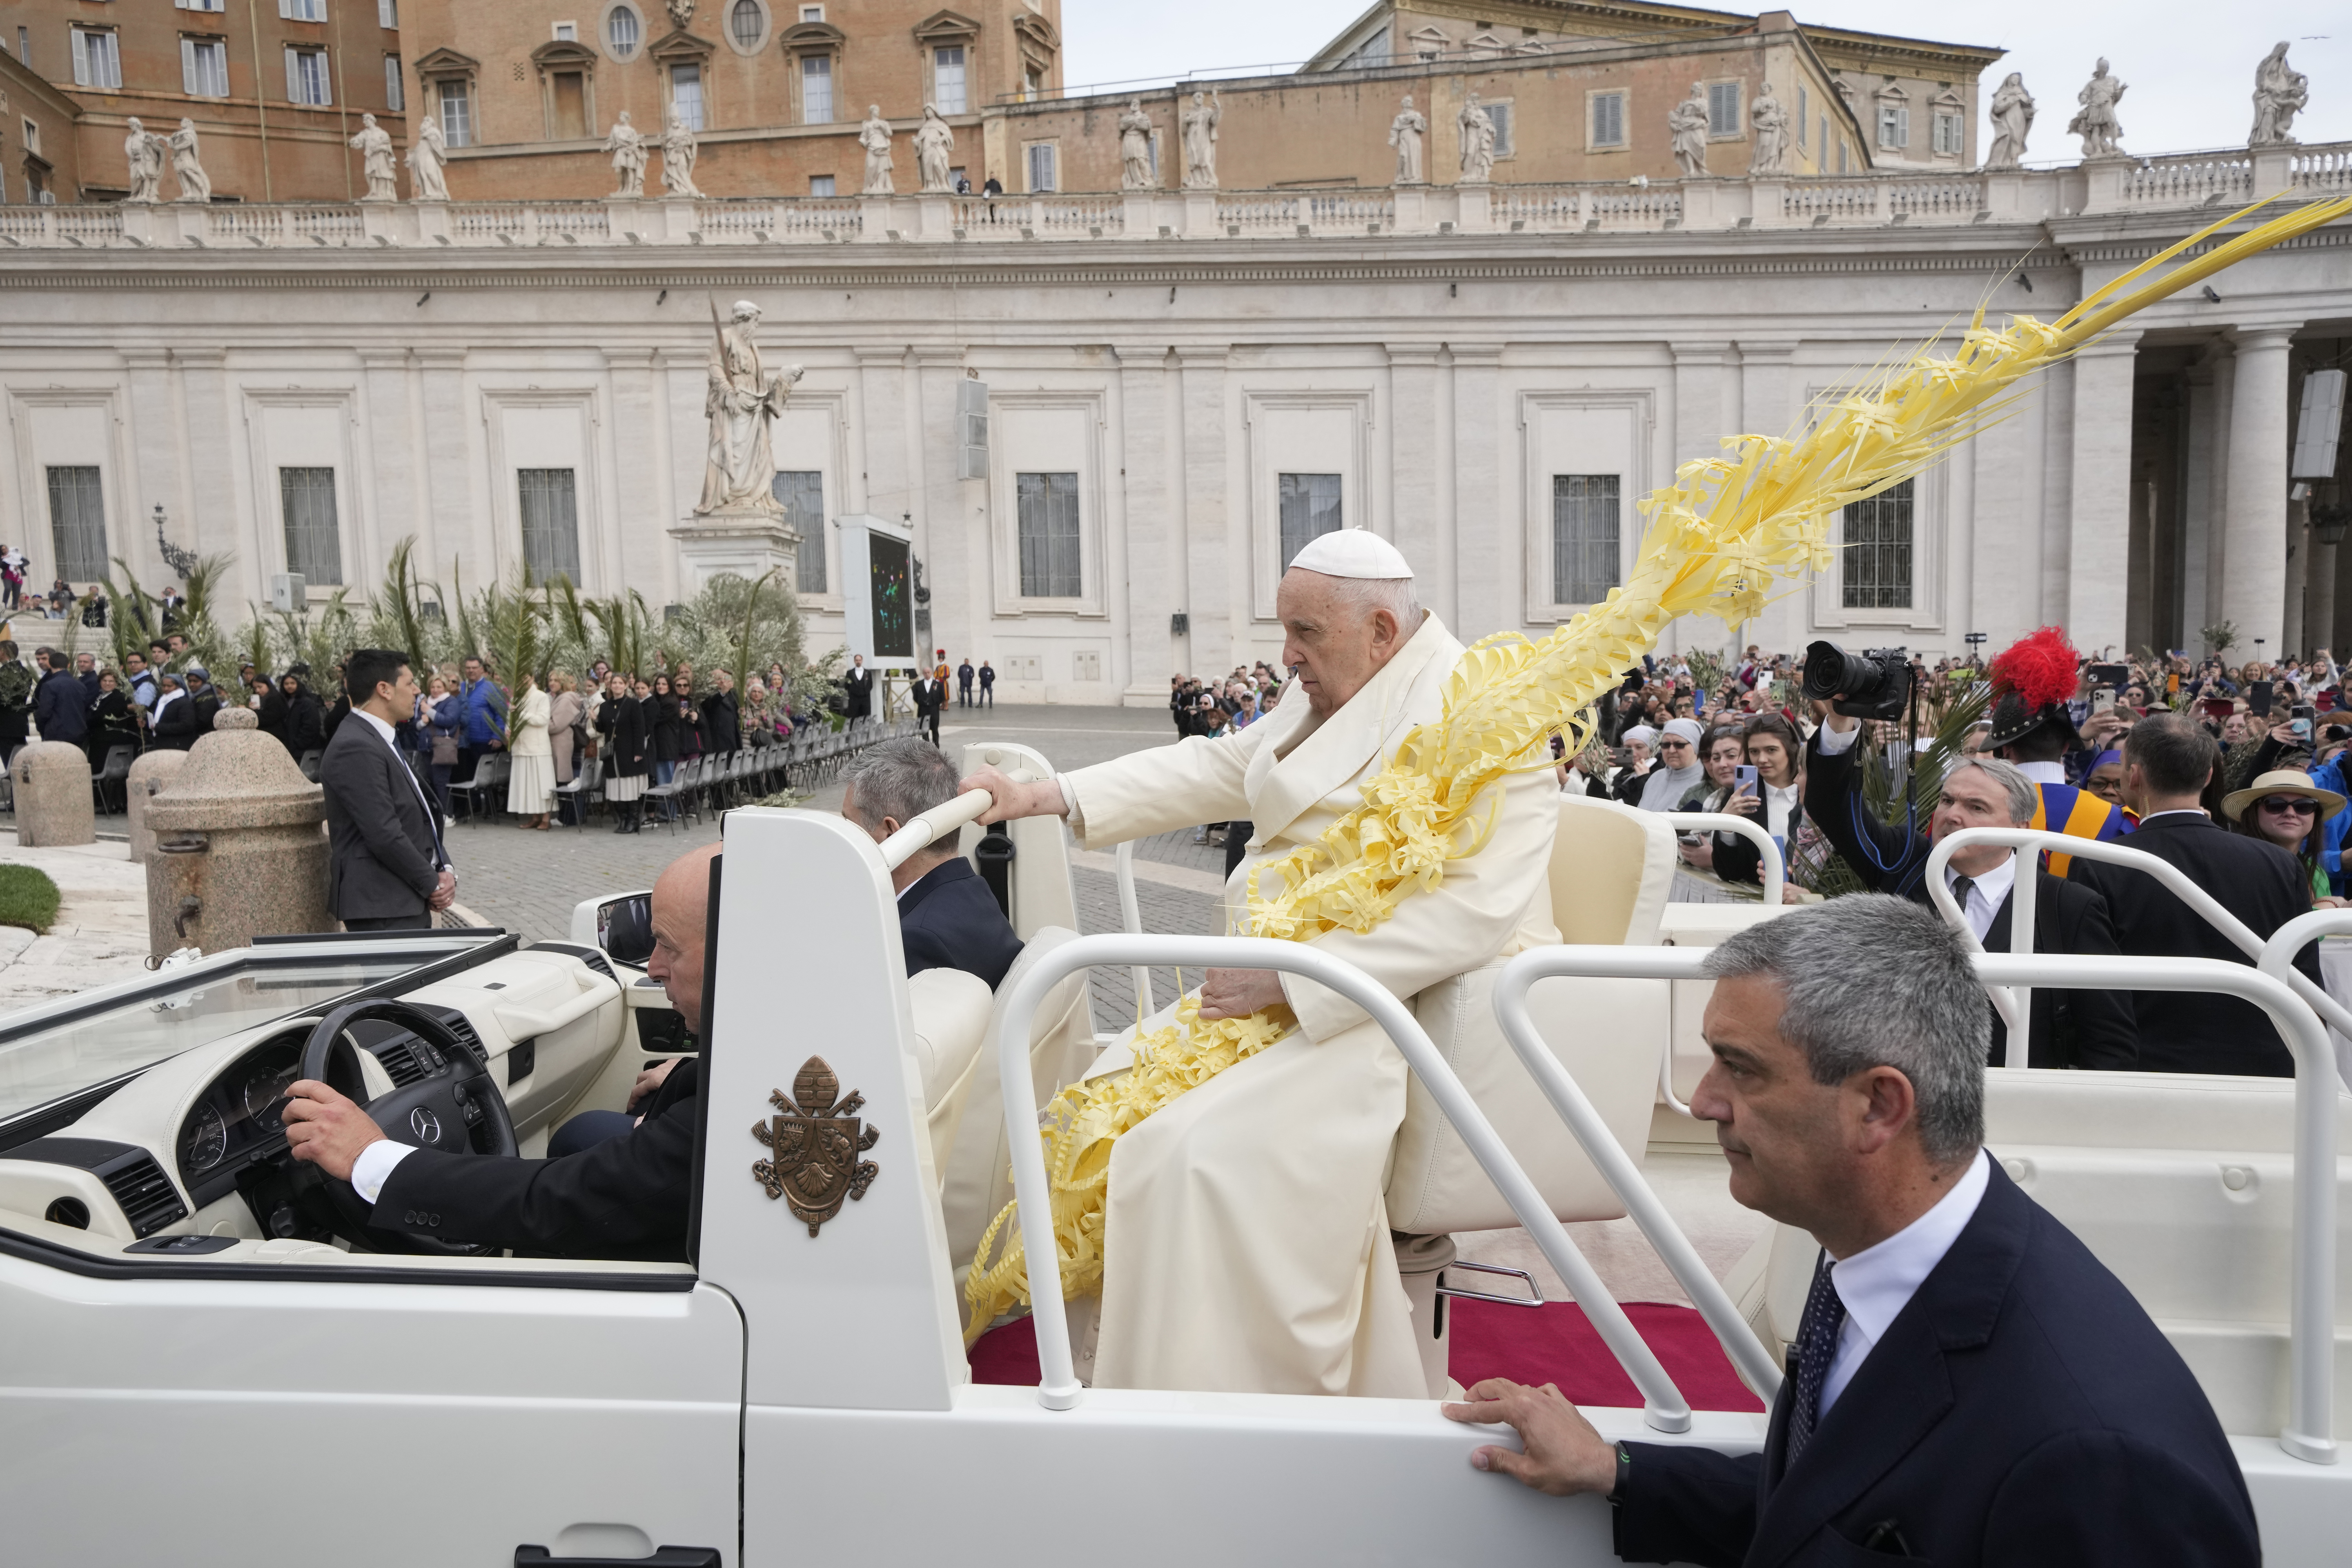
1704	383
206	519
955	560
645	557
1153	579
448	469
155	451
1418	524
1764	410
394	459
2098	513
1210	557
2200	495
2254	560
1488	549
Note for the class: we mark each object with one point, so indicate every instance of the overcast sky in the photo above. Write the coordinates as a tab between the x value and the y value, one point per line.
2190	68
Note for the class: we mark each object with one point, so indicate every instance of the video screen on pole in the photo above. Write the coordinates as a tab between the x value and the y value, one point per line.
892	597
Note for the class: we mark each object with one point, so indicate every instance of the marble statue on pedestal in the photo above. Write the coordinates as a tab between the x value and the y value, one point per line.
934	145
1768	117
373	144
143	150
1477	141
2012	118
1135	148
626	143
196	186
678	151
1405	133
1688	122
740	398
428	155
2279	94
1199	124
874	135
2096	121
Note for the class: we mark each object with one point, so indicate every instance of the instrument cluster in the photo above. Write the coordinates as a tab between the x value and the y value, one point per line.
237	1120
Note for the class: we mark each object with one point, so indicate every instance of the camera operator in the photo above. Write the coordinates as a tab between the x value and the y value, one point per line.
2069	1028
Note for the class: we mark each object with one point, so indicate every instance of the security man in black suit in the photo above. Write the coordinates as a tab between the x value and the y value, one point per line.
2069	1028
930	695
2167	759
624	1197
1969	1385
388	868
947	917
857	684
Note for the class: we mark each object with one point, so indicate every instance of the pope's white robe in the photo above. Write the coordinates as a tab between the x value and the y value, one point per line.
1246	1244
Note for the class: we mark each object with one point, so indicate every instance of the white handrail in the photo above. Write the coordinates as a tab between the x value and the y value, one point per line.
1773	871
2309	1433
2176	882
1664	1407
1130	916
919	835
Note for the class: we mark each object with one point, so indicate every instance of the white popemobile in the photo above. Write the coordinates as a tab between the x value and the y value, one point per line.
197	1366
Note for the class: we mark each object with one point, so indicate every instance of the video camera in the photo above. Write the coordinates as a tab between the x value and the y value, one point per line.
1876	684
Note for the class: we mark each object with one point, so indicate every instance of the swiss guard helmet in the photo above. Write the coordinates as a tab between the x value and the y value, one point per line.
2032	680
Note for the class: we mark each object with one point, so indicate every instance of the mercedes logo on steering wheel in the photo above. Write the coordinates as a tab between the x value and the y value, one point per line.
425	1124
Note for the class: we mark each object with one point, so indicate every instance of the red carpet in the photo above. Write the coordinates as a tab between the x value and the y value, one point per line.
1552	1344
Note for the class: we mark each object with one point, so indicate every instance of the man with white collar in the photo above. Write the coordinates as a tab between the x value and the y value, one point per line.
1251	1247
387	867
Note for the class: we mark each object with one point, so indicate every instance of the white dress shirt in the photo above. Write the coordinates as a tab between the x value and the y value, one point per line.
1878	1282
1836	743
373	1168
1780	805
1985	893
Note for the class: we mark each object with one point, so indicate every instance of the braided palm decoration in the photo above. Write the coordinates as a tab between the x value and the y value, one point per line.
1719	539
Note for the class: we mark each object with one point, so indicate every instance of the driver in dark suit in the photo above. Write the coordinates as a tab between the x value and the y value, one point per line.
624	1197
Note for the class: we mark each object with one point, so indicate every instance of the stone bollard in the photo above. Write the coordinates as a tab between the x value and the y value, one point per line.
153	771
240	844
51	779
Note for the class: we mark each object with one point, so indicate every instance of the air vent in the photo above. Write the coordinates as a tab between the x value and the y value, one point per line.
399	1062
463	1027
595	960
147	1198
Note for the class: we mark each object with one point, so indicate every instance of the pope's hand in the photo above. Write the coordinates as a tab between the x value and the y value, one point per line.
1012	801
1238	992
325	1129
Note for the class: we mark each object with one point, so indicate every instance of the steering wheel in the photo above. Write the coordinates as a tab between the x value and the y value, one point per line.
454	1108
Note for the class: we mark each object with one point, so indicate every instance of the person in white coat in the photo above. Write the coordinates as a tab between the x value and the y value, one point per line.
530	785
1247	1244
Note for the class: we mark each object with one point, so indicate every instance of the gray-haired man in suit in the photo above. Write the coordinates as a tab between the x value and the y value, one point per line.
388	868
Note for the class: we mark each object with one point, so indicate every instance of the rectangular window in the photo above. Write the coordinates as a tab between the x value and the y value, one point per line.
1041	166
1309	505
1723	108
1584	548
686	94
821	185
303	11
97	58
78	523
569	120
1877	555
200	4
1609	120
395	91
1804	113
1499	115
550	524
816	89
1893	125
1948	135
1048	506
456	115
1841	163
314	544
811	13
204	67
947	78
25	45
567	32
387	14
306	77
33	138
802	495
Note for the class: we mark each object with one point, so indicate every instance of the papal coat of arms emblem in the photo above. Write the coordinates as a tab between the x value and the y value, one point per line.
817	1144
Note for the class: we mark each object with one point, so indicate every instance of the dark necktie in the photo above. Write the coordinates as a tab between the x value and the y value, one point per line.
1961	886
1817	1338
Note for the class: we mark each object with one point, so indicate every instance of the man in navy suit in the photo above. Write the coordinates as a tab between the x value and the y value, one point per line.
1969	1385
947	917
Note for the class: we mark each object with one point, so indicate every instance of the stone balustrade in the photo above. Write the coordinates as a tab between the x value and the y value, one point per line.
2186	182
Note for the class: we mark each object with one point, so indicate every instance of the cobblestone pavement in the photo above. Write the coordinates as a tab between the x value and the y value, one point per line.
528	882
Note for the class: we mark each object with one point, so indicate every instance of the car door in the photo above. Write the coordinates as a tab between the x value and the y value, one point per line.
304	1408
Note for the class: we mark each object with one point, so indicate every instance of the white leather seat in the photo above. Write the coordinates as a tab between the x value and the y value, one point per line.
952	1010
1612	869
975	1179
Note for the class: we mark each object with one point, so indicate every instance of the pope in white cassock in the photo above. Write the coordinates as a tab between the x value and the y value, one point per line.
1246	1245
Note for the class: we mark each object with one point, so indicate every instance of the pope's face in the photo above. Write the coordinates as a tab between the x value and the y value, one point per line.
1334	644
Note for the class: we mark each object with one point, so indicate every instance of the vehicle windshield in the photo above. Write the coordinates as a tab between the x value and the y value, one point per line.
125	1028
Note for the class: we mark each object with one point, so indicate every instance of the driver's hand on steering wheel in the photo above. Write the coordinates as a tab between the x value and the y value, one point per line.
326	1128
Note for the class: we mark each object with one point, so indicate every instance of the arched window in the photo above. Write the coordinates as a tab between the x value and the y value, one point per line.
748	22
620	31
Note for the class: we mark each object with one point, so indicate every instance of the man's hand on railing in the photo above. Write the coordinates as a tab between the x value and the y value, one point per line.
1564	1454
1013	801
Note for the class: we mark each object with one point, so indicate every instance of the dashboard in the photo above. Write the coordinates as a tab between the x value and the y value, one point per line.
234	1123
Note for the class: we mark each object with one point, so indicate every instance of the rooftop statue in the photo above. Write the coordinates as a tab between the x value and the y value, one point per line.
2012	118
1135	148
627	145
428	155
196	186
2096	121
678	155
874	135
1770	117
1688	122
1405	133
144	152
934	145
373	144
1477	141
1200	126
2279	94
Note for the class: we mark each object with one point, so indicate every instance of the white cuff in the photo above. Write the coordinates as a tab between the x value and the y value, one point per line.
1836	743
374	1167
1069	796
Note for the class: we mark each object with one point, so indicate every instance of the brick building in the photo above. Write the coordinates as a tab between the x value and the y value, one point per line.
39	160
276	89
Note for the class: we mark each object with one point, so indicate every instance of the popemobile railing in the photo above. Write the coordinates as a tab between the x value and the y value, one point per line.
2309	1433
1774	870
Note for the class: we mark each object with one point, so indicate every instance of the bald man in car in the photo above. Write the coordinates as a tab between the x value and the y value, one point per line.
626	1197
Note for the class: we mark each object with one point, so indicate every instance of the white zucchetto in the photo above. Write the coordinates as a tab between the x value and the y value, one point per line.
1352	553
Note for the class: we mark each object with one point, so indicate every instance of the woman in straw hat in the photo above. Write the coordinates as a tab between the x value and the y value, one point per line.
2285	808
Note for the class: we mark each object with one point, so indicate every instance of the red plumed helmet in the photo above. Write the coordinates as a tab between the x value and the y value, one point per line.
2041	670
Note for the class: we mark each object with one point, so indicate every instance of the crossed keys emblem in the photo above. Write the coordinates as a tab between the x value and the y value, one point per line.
816	1143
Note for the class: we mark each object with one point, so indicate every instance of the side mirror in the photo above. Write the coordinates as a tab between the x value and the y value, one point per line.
624	929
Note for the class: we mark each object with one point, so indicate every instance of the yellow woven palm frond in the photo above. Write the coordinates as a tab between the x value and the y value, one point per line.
1719	538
